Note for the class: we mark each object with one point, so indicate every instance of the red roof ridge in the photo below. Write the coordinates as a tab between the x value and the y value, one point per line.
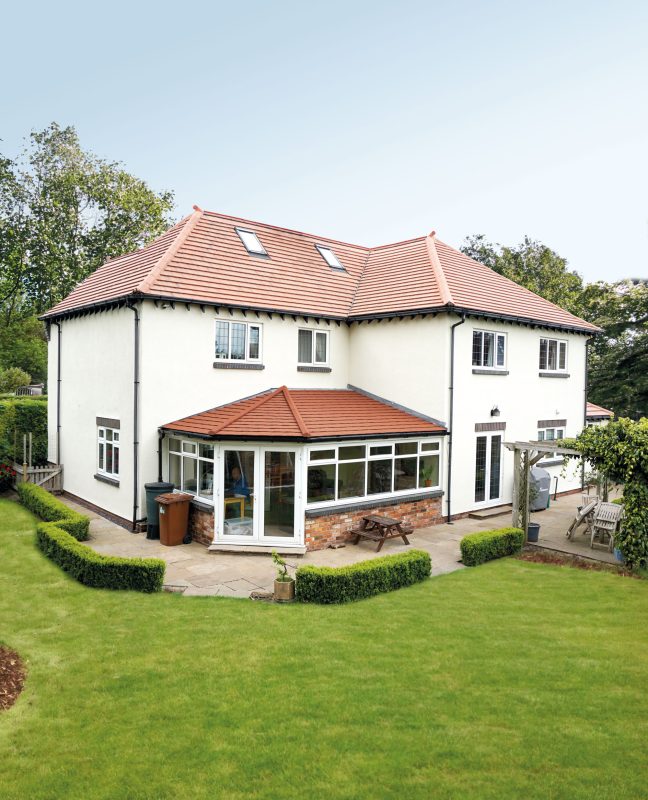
168	254
437	269
295	411
263	398
286	230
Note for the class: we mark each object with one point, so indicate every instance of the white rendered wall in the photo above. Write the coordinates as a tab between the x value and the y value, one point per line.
96	381
522	397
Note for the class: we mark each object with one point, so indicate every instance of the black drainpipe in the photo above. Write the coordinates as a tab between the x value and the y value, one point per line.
58	393
136	383
451	420
161	435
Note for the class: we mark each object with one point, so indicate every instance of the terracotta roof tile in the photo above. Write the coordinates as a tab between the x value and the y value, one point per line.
305	414
202	258
598	411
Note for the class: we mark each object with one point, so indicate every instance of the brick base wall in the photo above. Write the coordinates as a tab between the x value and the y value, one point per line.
201	525
328	529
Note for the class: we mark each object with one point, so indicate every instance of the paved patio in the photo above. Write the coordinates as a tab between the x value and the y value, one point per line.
192	570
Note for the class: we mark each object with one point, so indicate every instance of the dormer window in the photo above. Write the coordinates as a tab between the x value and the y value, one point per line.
329	256
251	242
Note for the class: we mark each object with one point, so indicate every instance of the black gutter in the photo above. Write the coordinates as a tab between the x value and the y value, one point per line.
161	435
218	437
58	393
136	383
451	415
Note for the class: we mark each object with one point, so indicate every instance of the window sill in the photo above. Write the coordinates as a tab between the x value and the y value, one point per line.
201	505
305	368
553	375
477	371
361	504
235	365
106	479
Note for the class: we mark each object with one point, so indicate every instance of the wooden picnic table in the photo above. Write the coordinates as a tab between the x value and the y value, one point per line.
378	529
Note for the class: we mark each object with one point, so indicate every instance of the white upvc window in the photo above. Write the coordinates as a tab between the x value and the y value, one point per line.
340	472
550	435
489	350
108	452
553	355
191	467
312	347
238	341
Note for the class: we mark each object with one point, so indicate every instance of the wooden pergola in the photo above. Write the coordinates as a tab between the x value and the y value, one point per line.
525	456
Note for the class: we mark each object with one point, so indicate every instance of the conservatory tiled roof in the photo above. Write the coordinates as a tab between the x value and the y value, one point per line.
306	414
203	259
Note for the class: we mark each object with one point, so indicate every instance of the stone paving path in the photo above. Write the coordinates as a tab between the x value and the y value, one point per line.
192	570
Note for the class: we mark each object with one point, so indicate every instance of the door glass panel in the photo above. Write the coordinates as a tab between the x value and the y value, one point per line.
480	470
238	493
279	494
495	461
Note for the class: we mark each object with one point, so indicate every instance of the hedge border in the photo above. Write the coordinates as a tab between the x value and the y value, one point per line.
364	579
60	538
477	548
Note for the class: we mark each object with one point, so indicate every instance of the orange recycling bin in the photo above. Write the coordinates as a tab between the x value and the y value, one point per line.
174	517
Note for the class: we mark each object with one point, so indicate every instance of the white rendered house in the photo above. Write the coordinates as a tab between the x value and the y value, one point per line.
291	382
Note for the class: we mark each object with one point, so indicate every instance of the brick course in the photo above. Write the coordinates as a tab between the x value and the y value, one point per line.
201	525
322	531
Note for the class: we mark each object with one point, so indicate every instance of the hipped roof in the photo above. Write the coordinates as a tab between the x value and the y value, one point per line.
306	415
202	260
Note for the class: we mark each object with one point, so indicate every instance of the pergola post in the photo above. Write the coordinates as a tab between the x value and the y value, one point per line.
515	521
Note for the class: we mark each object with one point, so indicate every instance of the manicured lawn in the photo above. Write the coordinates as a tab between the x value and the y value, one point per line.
510	680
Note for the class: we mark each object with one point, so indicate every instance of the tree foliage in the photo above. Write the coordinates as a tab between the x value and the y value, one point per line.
63	213
619	451
618	369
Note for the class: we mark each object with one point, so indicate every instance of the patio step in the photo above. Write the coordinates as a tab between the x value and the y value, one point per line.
293	550
488	513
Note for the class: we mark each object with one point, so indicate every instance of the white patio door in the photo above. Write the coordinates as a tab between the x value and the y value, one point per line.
488	468
259	495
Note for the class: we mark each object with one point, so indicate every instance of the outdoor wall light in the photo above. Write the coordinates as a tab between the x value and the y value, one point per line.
495	412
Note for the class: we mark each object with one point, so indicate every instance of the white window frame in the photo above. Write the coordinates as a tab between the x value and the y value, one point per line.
560	343
248	326
497	335
313	362
558	434
429	446
185	451
102	442
329	255
242	232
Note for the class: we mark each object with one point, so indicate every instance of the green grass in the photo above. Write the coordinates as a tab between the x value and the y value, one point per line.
509	680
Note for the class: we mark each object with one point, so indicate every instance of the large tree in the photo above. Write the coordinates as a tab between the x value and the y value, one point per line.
63	212
618	374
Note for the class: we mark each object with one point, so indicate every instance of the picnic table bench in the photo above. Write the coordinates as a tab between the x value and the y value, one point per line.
378	529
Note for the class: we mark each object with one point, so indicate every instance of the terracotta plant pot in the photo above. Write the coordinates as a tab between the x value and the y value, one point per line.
284	590
428	483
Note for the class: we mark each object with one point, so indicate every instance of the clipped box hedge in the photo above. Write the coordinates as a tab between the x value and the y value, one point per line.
476	548
60	537
95	569
49	508
364	579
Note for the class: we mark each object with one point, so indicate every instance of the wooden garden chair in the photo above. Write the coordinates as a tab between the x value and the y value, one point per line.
605	524
585	514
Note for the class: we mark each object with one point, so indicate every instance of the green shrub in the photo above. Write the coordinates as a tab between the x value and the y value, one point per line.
19	416
13	378
364	579
49	508
95	569
476	548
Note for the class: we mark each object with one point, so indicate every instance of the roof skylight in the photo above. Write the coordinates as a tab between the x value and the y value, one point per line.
251	242
329	256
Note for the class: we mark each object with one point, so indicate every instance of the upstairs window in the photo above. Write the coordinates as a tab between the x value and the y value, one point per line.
489	350
238	341
251	242
553	355
313	347
329	256
108	452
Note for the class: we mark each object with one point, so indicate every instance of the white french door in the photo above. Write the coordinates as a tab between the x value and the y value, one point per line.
259	495
488	468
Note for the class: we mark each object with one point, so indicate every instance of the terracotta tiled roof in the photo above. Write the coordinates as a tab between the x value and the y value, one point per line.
305	414
203	259
598	411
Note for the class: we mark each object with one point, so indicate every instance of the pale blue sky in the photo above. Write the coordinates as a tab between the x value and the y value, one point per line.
364	121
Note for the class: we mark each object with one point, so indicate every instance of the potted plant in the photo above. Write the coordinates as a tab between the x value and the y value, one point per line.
427	473
284	585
